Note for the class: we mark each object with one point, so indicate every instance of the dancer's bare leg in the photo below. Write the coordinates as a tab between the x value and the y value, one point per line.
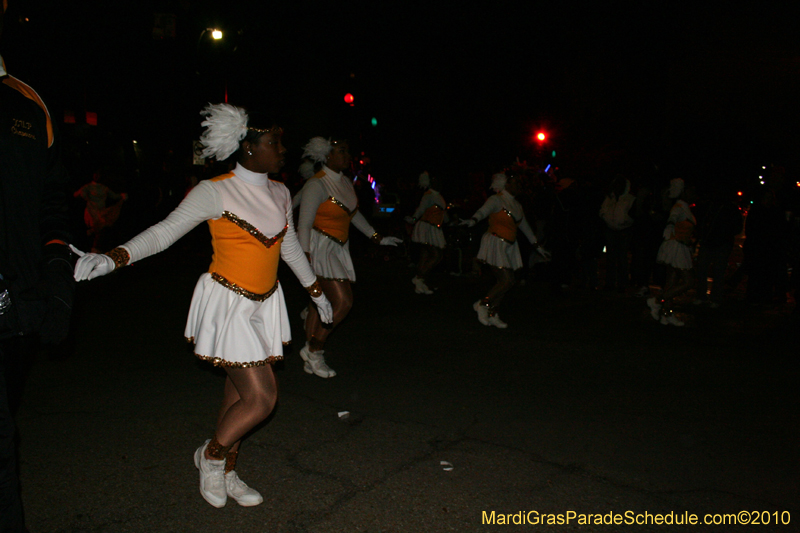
340	294
250	395
504	281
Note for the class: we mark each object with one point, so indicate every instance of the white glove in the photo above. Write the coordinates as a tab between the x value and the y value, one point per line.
390	241
91	266
468	222
323	308
544	253
409	220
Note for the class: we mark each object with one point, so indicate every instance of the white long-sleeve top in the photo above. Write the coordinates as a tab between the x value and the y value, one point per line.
318	190
429	199
615	211
252	196
504	200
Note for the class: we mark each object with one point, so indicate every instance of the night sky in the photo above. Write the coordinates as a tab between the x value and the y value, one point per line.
707	93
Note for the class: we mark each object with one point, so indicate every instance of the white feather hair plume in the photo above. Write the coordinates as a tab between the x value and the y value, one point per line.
676	186
499	182
306	169
318	149
424	180
225	127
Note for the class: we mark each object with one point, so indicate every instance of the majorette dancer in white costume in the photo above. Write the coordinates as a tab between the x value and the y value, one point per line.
499	248
329	205
676	254
428	220
237	319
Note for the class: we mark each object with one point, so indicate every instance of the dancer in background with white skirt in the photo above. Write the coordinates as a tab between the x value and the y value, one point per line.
676	254
428	220
328	206
499	248
237	319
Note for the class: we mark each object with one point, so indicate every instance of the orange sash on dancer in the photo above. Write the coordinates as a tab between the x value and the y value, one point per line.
503	225
683	231
333	220
434	215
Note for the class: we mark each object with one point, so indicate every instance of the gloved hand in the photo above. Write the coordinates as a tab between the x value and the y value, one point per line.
544	253
409	220
324	309
60	290
390	241
468	222
91	266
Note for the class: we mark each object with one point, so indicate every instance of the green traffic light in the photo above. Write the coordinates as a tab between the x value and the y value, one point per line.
374	121
553	153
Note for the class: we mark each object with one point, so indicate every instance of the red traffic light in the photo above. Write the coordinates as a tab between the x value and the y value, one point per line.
541	136
348	98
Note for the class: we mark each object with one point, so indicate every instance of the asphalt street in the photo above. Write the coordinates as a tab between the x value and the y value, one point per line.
583	405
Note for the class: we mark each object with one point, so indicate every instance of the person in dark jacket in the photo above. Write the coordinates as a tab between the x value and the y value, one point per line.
36	284
717	232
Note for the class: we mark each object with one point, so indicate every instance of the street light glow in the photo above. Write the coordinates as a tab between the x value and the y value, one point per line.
216	34
540	136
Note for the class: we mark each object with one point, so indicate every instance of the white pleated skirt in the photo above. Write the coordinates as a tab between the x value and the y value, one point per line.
499	253
331	260
675	254
230	330
425	233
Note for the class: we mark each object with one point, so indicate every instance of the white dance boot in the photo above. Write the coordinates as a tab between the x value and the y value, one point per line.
494	320
669	318
483	312
315	363
419	286
655	308
212	477
240	492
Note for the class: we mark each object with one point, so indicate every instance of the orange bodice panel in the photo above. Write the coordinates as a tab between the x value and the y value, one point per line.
243	255
434	215
683	231
333	220
503	225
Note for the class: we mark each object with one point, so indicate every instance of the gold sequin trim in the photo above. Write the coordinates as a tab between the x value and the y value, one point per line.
222	363
230	460
216	450
334	279
340	204
328	235
376	238
483	261
120	256
242	291
502	239
254	231
273	129
507	212
314	289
